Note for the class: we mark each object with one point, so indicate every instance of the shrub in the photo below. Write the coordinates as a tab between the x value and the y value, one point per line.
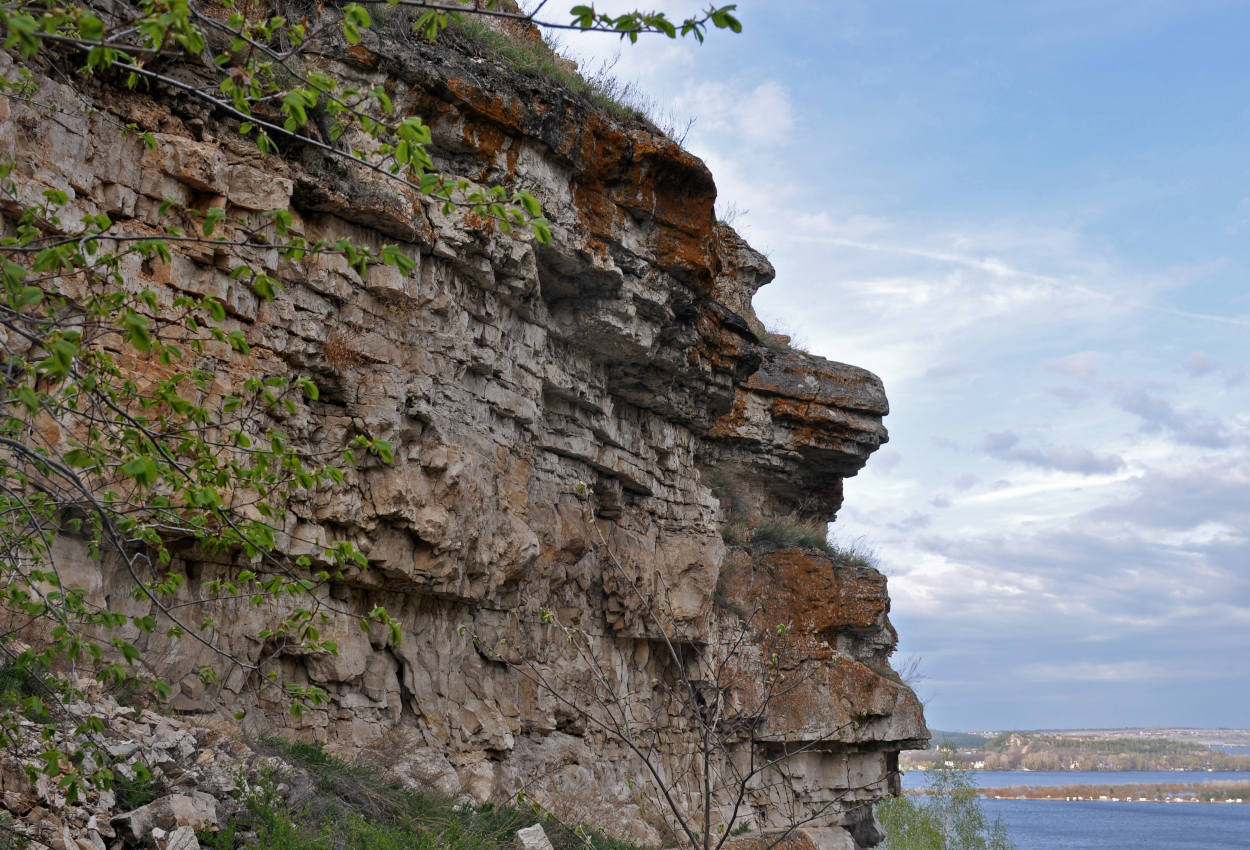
135	788
947	817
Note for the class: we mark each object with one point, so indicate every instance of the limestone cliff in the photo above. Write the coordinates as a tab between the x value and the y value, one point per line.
623	356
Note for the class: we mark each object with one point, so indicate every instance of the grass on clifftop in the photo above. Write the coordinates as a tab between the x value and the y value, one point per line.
351	807
794	535
541	59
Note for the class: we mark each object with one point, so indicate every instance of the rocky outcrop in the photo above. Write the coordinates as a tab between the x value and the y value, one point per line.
510	377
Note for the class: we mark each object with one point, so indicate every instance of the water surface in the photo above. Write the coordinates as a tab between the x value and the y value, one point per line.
1087	825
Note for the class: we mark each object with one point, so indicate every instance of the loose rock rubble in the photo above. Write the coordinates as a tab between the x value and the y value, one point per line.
196	773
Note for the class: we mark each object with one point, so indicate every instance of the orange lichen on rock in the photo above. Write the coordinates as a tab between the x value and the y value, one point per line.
813	591
832	703
645	175
363	55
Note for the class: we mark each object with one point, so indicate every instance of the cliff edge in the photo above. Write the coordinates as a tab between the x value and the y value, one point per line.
589	438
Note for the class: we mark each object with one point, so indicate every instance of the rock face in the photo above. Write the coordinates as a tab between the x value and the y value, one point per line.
511	379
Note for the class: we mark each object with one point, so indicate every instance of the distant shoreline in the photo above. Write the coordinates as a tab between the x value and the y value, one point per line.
927	767
1088	750
1231	792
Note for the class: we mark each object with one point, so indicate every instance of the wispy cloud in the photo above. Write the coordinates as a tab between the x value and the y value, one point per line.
1156	413
1198	364
1082	364
1005	446
1074	670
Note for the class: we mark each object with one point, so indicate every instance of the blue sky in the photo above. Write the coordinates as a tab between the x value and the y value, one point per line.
1033	222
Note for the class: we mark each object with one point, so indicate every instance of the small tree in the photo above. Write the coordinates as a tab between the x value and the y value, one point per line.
948	817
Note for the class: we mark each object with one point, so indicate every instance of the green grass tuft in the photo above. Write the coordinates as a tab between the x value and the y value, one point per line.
782	534
789	535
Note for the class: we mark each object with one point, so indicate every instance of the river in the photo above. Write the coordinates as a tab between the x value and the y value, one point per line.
1060	825
1088	825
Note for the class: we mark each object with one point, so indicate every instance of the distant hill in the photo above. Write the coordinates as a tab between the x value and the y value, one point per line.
958	740
1206	737
1112	749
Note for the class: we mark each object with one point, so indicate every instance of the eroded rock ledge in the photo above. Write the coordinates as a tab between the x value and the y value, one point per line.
625	356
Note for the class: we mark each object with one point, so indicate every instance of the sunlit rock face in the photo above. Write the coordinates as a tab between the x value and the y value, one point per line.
513	378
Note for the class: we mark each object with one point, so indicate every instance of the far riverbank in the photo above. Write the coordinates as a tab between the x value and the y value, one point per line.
915	780
1172	792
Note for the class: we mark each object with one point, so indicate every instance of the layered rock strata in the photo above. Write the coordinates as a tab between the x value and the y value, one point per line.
512	378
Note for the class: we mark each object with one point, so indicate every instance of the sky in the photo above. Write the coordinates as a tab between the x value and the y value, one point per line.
1032	220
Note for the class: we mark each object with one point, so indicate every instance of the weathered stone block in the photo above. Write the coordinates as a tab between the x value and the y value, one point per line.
255	189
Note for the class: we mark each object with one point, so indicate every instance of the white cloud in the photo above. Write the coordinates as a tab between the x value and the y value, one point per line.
1082	364
1005	445
765	115
729	116
1199	363
1094	671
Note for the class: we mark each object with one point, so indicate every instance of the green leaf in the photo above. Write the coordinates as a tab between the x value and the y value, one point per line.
215	309
723	20
356	14
265	286
309	388
206	497
532	207
29	398
393	256
90	27
142	469
130	653
79	458
135	330
384	450
583	16
214	215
